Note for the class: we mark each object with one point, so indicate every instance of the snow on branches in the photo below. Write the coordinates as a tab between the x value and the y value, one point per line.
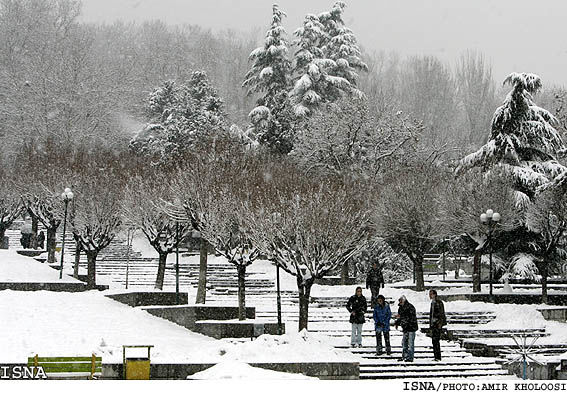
523	140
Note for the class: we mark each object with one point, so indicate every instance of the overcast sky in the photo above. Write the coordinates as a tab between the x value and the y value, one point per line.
515	35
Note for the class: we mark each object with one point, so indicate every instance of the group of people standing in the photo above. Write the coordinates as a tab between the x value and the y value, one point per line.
406	318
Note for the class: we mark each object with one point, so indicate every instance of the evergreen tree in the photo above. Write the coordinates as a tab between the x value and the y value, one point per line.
339	44
522	140
181	116
326	61
270	74
314	82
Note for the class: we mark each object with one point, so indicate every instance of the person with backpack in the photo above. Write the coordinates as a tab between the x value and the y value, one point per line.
437	319
374	280
356	305
407	319
382	316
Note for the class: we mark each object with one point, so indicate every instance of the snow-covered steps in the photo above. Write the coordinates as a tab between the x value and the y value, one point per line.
447	373
494	333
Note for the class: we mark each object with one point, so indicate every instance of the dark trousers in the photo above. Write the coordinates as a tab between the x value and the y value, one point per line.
386	341
436	340
375	290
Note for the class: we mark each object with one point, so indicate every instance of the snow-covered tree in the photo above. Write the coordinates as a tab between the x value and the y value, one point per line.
547	219
270	75
11	205
471	195
346	139
523	140
182	115
97	217
143	209
309	229
395	266
339	44
409	212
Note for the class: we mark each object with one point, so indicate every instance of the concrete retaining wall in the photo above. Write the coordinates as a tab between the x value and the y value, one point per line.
187	315
137	299
556	314
55	287
322	370
534	371
236	329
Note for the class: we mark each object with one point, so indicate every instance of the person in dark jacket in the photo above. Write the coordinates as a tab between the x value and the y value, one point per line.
437	320
407	318
41	239
382	316
374	280
357	305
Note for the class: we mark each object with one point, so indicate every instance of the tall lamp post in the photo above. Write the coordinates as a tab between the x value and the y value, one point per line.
67	196
490	219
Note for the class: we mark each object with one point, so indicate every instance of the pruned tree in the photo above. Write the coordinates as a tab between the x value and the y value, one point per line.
408	212
307	228
142	207
97	217
11	205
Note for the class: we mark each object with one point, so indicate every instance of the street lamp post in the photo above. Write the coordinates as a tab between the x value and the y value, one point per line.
490	219
177	262
67	196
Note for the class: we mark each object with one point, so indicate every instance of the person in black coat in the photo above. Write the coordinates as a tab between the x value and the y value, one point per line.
41	239
437	320
357	305
374	280
407	318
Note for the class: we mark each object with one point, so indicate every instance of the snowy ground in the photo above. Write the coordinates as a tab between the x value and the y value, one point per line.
17	268
57	324
234	370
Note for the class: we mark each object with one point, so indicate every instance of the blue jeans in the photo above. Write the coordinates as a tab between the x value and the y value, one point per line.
356	335
408	341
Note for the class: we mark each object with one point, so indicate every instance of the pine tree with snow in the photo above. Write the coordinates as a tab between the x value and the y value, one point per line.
325	62
182	115
339	44
523	140
270	74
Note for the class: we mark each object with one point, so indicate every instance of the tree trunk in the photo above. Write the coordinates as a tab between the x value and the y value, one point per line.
33	238
77	259
304	294
91	269
476	272
241	292
344	274
202	286
457	267
544	298
419	281
51	244
161	270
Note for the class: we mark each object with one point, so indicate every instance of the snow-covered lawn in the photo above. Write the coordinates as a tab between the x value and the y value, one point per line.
75	324
235	370
17	268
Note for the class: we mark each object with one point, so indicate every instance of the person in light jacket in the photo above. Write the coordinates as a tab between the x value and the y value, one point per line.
357	305
382	316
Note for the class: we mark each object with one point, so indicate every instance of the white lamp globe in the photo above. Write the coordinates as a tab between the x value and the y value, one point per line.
496	217
70	195
483	218
67	190
489	213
